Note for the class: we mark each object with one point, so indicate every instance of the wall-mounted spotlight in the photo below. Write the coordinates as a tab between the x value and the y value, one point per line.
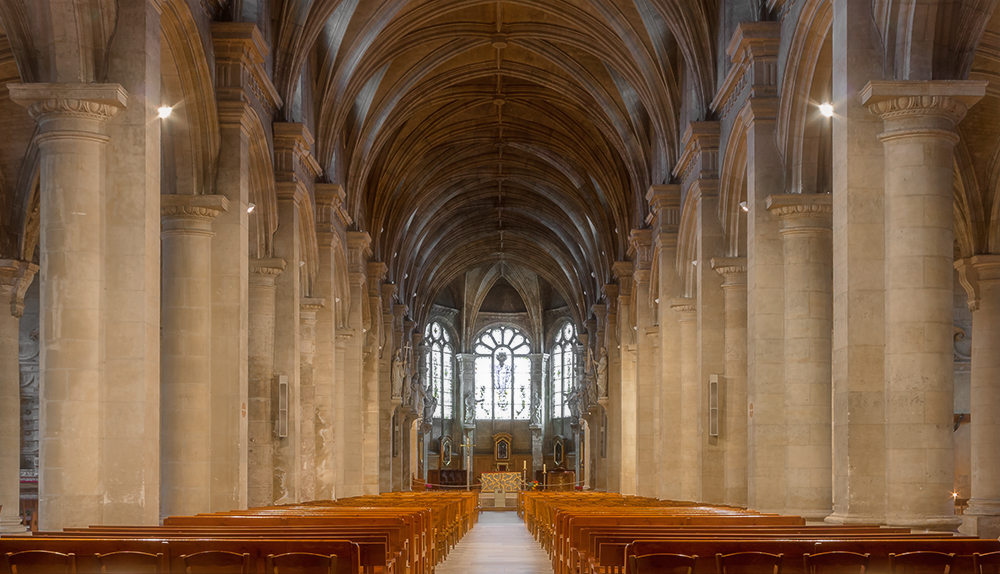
826	108
743	206
251	207
164	112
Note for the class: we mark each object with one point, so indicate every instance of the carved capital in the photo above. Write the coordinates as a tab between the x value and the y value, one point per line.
203	208
641	248
48	102
974	273
732	269
665	204
803	212
311	305
15	278
293	158
686	307
267	267
938	105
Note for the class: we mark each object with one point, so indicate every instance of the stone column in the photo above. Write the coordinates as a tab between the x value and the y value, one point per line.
351	396
690	399
377	421
308	308
612	342
858	371
808	253
734	396
626	413
72	136
647	361
15	276
919	142
186	361
665	203
260	369
980	275
538	366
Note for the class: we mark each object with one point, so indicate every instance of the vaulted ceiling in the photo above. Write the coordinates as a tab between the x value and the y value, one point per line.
470	131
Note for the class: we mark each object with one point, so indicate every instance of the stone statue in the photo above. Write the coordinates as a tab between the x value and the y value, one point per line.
398	374
573	402
430	405
536	409
470	407
602	375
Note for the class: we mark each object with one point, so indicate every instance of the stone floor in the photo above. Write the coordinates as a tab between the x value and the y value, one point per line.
499	544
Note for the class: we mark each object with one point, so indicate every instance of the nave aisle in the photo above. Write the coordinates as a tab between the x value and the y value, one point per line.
499	544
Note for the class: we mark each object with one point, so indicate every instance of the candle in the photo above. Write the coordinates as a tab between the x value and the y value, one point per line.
525	467
545	468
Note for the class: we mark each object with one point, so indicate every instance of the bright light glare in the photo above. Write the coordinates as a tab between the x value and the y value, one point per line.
826	109
164	112
743	206
251	207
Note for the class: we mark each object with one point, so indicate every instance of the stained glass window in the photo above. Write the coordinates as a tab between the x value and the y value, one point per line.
440	371
503	375
563	369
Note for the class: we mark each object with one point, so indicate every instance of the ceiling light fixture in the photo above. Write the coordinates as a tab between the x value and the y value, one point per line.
251	207
164	112
826	108
743	206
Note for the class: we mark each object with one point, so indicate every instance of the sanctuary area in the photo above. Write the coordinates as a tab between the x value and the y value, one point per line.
361	270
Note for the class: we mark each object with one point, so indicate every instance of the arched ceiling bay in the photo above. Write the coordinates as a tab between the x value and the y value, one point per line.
471	131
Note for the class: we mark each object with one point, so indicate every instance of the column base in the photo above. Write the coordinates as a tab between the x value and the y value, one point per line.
927	523
809	514
983	526
12	526
853	519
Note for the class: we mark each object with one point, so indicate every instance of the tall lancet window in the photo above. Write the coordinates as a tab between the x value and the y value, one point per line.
563	369
440	371
503	375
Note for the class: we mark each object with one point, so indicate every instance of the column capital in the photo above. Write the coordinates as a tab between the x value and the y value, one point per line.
358	250
263	272
330	211
48	102
732	269
240	52
975	271
193	207
803	212
311	305
15	277
687	307
665	204
905	100
293	158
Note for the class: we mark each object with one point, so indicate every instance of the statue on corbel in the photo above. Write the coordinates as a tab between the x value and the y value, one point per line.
469	400
602	375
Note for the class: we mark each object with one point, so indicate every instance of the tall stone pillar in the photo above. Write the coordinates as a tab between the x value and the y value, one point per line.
242	86
808	253
377	423
755	47
646	383
858	372
919	142
15	276
623	395
186	361
331	219
690	399
351	391
980	275
734	394
665	204
613	344
295	171
72	136
308	307
260	369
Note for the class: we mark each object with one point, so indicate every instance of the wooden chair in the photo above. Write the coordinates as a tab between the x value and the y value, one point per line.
661	564
41	562
836	562
300	563
128	562
749	563
988	563
216	562
921	562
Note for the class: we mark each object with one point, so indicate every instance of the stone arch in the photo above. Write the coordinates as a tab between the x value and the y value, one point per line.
733	189
800	127
187	85
687	245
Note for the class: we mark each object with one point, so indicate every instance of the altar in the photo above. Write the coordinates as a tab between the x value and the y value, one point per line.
499	490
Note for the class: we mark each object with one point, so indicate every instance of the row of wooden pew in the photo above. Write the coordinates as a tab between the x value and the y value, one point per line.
602	533
398	533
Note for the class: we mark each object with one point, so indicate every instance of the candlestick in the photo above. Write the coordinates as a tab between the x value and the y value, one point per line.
525	467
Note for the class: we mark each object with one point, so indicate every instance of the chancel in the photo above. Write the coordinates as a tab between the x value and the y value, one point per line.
328	260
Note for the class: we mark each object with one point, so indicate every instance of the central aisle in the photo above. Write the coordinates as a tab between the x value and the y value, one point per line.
498	544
